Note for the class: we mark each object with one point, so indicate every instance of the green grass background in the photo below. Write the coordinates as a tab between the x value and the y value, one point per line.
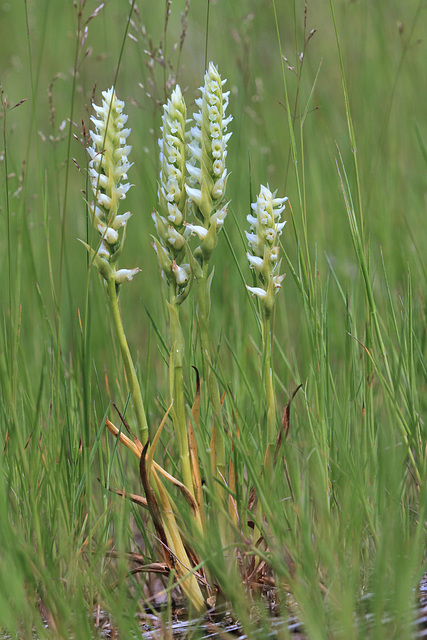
357	521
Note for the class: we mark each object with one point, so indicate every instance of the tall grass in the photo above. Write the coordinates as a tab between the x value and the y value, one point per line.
340	130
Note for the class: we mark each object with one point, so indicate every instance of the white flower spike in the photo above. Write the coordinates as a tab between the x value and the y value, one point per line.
172	194
263	238
208	146
108	167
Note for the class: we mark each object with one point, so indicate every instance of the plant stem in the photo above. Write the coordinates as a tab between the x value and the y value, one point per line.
218	455
269	387
177	390
127	360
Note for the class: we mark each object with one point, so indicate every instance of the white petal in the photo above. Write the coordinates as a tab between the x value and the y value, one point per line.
252	239
201	231
277	281
103	251
279	227
182	273
194	194
218	188
175	214
278	202
110	235
97	139
214	114
195	131
214	130
122	151
270	235
198	120
104	200
99	124
122	190
120	221
255	261
218	167
195	150
175	238
257	291
274	254
219	216
226	121
194	172
126	274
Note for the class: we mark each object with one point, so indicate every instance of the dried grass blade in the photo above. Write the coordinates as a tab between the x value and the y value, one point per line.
182	566
150	463
152	504
123	438
285	422
135	439
140	500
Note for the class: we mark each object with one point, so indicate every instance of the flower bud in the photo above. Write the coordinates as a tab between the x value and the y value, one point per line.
126	274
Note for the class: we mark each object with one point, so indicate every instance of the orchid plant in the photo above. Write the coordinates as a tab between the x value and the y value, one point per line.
192	185
263	238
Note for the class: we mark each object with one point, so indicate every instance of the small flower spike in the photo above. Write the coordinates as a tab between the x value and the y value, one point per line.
208	151
266	228
170	247
172	196
108	167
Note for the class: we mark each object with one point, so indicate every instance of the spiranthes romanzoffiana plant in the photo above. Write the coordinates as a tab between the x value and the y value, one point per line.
108	167
265	230
206	190
170	248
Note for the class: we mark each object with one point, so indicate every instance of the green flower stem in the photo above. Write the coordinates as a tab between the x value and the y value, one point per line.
127	360
213	389
268	384
180	423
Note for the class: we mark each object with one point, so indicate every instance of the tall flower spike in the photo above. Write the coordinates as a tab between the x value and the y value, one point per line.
108	167
263	238
208	148
172	195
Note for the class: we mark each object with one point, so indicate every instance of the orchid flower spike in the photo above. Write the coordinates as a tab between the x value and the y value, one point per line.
172	195
108	167
208	147
265	230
